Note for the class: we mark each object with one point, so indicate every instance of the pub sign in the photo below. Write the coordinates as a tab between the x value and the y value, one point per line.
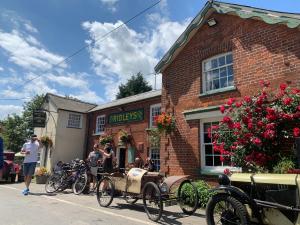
126	117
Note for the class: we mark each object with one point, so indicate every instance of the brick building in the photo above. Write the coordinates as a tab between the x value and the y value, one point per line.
134	114
223	53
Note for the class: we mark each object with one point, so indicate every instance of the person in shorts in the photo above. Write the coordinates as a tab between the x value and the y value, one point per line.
93	160
30	149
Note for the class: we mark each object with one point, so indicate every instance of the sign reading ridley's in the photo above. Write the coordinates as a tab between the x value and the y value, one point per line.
125	117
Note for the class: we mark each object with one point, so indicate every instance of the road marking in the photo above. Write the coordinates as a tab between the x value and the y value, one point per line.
87	207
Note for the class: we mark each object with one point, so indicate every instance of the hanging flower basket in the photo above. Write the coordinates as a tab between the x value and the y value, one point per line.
105	139
124	137
47	141
165	123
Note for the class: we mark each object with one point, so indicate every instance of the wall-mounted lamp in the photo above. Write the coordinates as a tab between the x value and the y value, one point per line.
211	22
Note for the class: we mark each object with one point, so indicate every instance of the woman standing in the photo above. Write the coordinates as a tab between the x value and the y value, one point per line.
107	158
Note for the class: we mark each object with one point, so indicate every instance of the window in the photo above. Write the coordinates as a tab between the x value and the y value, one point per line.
155	156
100	124
155	110
218	73
74	120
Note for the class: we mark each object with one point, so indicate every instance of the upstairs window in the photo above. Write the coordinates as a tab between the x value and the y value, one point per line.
155	110
74	121
100	124
217	73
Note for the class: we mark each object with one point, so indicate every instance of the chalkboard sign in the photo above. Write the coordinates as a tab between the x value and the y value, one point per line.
39	118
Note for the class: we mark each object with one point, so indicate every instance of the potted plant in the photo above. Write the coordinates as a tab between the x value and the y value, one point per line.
124	137
154	137
46	141
165	123
41	175
104	139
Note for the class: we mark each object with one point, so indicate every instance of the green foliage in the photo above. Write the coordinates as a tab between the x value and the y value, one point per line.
154	137
284	165
135	85
106	139
203	192
16	129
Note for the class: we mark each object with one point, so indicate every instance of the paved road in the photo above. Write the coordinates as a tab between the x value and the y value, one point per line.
66	208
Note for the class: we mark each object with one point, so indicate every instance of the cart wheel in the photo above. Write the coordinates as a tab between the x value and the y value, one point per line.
131	200
225	209
105	192
152	201
187	197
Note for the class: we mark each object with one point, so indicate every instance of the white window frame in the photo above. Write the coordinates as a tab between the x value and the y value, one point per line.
80	123
210	169
151	117
204	78
96	129
150	155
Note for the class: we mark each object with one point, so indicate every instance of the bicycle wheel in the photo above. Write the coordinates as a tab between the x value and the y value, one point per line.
105	192
53	183
80	184
152	201
187	197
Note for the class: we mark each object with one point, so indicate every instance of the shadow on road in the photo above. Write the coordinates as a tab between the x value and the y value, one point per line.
167	216
42	194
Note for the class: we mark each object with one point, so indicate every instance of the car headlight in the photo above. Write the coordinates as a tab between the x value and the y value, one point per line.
164	188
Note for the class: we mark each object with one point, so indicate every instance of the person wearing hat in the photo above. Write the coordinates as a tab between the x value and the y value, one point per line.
30	149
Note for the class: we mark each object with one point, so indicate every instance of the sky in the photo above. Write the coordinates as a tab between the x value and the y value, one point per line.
36	35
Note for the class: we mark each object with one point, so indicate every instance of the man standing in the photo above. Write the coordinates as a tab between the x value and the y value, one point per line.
30	149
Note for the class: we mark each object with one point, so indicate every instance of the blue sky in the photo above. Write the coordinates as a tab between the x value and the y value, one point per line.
35	35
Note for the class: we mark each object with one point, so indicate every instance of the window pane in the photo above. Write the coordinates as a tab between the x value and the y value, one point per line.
230	81
208	149
222	61
206	127
216	84
209	160
207	139
224	82
214	63
223	72
229	70
217	161
207	66
215	74
229	59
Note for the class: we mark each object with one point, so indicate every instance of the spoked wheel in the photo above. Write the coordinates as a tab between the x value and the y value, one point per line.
131	199
105	192
80	184
226	210
152	201
53	183
187	197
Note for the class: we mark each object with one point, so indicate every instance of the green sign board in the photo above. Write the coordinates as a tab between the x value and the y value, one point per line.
126	117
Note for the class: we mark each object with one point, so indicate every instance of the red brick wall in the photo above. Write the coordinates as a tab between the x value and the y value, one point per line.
260	51
136	129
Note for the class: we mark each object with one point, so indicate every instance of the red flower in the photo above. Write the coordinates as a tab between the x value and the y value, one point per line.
296	132
222	108
295	91
260	124
270	126
237	125
248	99
287	101
257	141
283	86
227	119
227	171
264	83
250	125
238	104
230	101
298	107
269	134
287	116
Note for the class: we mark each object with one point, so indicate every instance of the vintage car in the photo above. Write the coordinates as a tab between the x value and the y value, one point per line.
154	190
270	199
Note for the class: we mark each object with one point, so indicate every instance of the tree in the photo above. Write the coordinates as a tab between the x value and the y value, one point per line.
17	128
135	85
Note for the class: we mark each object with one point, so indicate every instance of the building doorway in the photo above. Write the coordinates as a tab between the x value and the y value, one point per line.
122	158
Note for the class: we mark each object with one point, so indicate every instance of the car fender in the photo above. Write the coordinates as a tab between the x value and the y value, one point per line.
239	195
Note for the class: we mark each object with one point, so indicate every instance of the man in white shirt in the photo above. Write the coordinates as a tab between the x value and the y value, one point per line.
31	150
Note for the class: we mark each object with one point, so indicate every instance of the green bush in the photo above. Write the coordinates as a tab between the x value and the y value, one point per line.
284	165
203	192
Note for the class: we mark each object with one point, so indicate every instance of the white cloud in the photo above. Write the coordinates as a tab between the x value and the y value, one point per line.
26	52
1	68
126	51
9	109
30	28
111	4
